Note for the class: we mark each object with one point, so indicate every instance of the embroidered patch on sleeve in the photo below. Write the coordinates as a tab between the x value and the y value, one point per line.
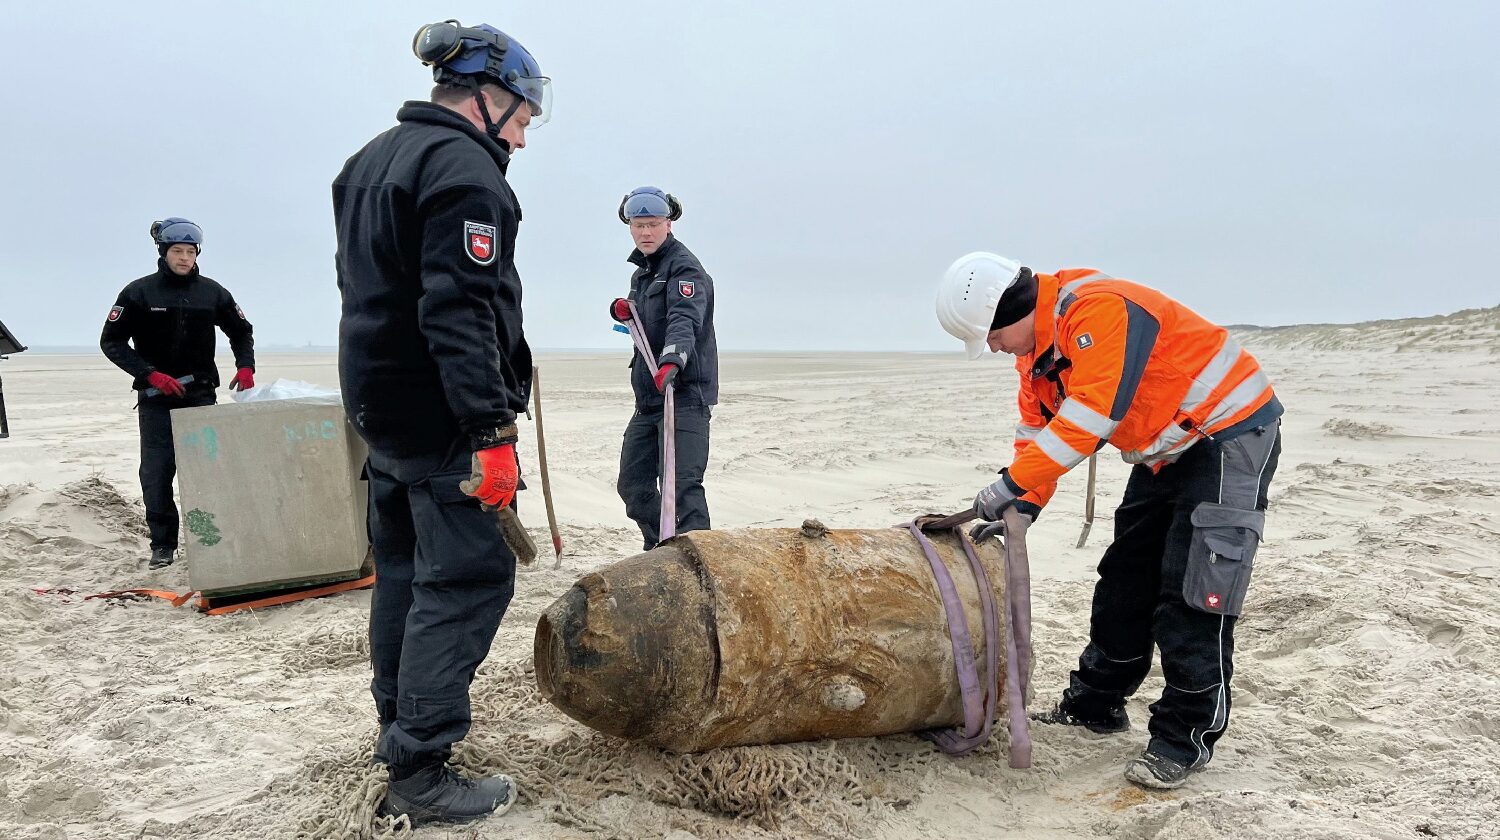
479	242
685	288
115	312
1085	341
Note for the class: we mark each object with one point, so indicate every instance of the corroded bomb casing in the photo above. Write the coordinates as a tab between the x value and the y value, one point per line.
724	638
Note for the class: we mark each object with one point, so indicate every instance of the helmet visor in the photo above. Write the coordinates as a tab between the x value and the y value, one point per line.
175	231
537	91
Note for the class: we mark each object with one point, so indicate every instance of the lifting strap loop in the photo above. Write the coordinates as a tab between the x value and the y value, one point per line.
980	699
668	523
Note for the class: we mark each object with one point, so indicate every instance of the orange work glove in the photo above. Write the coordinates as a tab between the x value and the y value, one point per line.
494	480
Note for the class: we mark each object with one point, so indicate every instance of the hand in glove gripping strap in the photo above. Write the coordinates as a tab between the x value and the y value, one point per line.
493	481
985	530
993	500
664	377
620	310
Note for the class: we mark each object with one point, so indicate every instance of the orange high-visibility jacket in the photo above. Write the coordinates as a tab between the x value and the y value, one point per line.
1118	362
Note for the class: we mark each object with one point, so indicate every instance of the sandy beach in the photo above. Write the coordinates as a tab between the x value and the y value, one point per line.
1367	686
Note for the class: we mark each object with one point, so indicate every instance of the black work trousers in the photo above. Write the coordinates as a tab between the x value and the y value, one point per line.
444	577
1176	576
159	464
639	484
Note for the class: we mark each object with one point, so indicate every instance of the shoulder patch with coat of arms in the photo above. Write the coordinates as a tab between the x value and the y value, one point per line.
115	312
479	242
686	288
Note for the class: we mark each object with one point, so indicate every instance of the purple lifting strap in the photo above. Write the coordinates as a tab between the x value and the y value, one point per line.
667	527
980	700
1018	640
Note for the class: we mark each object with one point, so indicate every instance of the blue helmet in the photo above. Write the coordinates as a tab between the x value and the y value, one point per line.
175	230
649	201
485	53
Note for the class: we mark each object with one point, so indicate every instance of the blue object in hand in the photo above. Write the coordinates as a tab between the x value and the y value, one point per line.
621	328
181	380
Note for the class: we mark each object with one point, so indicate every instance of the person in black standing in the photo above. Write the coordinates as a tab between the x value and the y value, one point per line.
161	331
675	299
434	368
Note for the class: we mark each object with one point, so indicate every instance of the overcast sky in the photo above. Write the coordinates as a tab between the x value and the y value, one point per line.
1263	162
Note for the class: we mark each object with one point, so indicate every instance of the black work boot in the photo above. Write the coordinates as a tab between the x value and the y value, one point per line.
1157	771
437	794
1108	722
162	557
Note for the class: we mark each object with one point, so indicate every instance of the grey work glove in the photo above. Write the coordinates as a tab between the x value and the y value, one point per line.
992	501
985	530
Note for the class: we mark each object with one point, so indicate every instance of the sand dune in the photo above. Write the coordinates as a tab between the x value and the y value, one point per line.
1471	329
1367	699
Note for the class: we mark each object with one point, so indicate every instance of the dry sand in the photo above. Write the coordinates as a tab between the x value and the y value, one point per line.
1367	701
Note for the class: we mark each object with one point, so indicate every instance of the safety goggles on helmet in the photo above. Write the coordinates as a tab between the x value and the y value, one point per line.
536	90
175	230
644	202
457	52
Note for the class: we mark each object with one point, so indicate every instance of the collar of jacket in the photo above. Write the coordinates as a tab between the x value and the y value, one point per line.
434	114
668	245
171	276
1041	359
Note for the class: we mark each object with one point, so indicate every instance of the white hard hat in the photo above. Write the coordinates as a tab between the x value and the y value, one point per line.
969	293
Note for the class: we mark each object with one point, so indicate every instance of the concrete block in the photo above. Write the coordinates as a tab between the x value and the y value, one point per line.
270	495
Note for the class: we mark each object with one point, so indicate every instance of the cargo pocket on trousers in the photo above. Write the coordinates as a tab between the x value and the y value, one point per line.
446	489
461	541
1221	557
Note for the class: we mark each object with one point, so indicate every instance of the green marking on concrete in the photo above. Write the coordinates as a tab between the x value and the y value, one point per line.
311	431
206	439
201	525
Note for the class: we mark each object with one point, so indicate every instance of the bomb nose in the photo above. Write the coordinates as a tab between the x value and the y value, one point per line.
626	654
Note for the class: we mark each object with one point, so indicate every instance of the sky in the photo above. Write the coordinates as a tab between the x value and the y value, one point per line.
1266	163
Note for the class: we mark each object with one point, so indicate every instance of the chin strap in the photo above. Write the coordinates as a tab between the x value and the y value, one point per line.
492	127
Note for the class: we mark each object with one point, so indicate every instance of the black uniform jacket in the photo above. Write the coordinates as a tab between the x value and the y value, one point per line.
430	342
675	298
165	322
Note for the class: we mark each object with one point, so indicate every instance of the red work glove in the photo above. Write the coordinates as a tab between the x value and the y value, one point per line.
494	480
244	380
165	384
620	310
664	376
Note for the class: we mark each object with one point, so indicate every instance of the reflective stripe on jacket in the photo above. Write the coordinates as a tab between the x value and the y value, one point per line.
1121	363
